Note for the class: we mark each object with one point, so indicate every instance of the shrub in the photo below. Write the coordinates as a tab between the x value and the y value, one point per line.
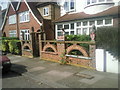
107	38
79	38
11	44
9	38
5	46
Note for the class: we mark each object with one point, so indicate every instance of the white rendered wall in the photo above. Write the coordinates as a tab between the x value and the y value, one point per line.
106	62
99	59
111	64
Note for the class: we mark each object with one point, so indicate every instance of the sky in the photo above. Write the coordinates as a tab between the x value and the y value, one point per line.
3	3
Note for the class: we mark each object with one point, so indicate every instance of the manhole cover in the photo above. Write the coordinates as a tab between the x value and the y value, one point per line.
84	75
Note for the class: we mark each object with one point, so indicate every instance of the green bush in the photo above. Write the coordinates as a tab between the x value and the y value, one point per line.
107	38
9	38
79	38
10	44
5	46
13	46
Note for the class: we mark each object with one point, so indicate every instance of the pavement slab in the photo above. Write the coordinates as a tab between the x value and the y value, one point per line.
54	75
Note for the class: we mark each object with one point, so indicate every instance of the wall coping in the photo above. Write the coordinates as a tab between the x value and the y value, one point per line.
80	57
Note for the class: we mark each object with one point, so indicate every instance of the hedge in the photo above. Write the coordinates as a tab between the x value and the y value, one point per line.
10	45
79	38
107	38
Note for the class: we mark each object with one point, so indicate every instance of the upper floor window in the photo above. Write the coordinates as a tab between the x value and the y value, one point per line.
46	11
12	19
101	0
69	5
72	4
94	1
12	33
97	1
24	16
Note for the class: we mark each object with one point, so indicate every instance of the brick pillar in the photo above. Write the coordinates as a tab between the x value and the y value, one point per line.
92	48
33	43
40	44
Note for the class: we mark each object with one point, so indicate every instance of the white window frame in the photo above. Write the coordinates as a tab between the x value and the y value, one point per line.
44	13
12	19
28	34
69	6
97	2
13	33
24	17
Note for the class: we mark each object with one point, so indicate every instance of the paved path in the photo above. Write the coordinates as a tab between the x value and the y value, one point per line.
55	75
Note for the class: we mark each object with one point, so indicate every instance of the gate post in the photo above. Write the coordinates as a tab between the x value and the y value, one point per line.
92	49
33	43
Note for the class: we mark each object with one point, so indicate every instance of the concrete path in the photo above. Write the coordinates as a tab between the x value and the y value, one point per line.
62	76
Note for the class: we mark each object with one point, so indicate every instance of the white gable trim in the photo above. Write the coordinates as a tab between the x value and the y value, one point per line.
18	5
12	6
33	13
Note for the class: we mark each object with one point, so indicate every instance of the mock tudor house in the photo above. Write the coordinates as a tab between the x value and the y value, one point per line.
95	13
25	17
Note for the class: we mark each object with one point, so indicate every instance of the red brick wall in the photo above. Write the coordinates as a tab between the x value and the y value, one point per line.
116	22
11	11
56	56
22	7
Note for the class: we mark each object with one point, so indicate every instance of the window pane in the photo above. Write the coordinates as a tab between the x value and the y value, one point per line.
46	11
72	32
85	23
109	0
88	2
90	30
93	1
78	24
60	34
108	21
78	30
66	33
72	26
99	22
24	16
92	23
66	26
84	31
72	4
59	27
101	0
66	6
12	19
12	33
25	34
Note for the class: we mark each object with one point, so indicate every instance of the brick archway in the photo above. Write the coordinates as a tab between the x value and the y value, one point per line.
50	46
27	46
77	47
